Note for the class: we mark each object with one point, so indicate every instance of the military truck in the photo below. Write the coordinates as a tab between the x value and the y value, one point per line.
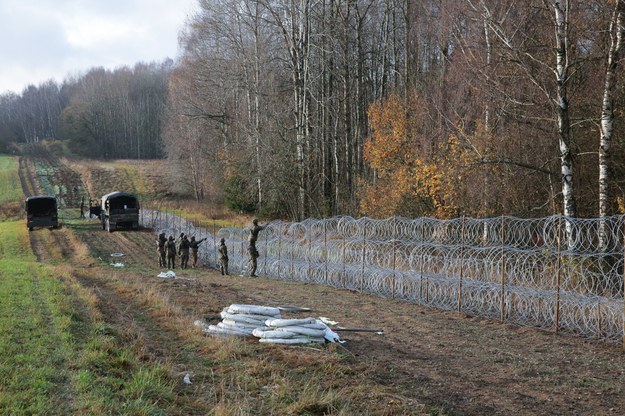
41	211
119	209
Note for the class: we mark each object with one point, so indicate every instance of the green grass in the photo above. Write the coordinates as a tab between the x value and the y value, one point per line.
55	358
10	187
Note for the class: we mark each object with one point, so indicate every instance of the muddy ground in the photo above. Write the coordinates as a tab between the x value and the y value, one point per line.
462	364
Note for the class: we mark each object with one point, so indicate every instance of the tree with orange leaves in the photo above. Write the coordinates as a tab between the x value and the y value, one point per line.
409	178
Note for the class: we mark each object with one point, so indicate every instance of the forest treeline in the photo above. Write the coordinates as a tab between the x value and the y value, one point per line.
306	108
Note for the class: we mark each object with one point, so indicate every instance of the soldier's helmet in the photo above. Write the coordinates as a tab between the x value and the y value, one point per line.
255	221
171	237
192	238
223	240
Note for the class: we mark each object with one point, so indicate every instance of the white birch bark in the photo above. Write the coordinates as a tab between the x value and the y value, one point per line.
607	117
561	12
295	27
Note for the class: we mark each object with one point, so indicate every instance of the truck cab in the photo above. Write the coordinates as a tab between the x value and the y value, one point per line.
119	209
41	211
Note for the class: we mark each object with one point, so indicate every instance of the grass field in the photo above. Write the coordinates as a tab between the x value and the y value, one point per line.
57	355
10	188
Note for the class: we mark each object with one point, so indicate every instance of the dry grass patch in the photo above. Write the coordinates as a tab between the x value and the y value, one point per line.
12	211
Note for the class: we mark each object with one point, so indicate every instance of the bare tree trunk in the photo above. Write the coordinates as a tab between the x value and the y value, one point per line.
616	31
564	139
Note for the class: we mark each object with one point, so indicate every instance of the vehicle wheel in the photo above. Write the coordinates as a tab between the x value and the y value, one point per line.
30	228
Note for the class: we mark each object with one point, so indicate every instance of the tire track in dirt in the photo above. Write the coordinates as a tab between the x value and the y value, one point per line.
151	339
29	185
47	245
132	244
51	245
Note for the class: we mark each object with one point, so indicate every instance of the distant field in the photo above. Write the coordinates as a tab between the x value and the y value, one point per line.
10	188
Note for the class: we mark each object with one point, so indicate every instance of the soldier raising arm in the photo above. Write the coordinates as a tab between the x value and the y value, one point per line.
195	245
251	249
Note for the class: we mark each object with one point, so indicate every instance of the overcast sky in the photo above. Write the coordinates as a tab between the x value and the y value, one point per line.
51	39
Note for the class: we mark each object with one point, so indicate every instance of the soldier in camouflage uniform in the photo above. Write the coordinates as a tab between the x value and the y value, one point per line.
251	249
160	248
223	257
171	252
195	245
183	251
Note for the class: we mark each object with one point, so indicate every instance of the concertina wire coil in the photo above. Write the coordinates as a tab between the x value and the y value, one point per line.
545	272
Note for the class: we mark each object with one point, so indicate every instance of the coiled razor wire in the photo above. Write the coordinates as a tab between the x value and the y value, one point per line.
554	272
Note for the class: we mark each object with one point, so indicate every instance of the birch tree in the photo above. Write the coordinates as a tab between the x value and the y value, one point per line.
525	52
292	18
616	32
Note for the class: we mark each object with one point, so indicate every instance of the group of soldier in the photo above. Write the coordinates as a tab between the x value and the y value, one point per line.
167	249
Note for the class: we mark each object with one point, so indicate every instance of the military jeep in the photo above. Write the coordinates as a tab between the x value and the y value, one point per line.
119	209
41	211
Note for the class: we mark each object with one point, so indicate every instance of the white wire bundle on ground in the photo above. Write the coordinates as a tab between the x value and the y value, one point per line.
292	331
242	320
545	272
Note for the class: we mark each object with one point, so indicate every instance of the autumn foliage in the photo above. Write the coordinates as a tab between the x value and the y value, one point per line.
411	177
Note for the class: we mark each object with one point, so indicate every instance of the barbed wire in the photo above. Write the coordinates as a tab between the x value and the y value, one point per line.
552	272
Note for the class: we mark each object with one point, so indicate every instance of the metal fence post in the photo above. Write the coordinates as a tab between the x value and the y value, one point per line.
503	270
308	254
344	271
394	257
325	249
421	266
279	250
623	286
461	266
558	274
292	248
215	242
364	253
266	253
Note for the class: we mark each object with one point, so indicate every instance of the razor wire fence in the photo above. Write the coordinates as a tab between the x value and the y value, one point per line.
553	272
